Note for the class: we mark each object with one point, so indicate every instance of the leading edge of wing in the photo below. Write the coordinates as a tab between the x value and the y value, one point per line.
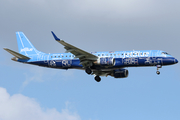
79	53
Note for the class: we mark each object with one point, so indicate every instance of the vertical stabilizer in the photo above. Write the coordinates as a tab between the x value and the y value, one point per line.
24	45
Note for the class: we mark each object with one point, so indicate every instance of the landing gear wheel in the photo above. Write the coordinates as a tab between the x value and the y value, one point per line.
158	72
97	78
88	71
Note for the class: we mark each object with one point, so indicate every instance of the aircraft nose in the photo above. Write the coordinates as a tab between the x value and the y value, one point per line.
175	61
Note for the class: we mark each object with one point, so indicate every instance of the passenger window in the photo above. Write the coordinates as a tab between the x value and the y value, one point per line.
122	54
51	56
62	56
69	55
110	54
118	54
98	54
114	54
106	54
102	54
55	56
141	53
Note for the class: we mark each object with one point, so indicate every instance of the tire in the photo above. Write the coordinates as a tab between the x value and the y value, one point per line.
158	72
97	78
88	71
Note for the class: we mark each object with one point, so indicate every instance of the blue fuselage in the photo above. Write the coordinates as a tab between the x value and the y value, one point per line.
122	59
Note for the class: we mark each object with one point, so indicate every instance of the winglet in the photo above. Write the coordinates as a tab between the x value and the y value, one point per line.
55	37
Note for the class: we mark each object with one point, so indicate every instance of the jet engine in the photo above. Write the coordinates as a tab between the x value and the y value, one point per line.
106	61
120	73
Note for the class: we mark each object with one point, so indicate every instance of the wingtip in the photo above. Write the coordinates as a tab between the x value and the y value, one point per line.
55	37
5	48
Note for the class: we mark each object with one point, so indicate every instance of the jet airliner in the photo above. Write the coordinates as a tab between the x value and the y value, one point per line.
108	63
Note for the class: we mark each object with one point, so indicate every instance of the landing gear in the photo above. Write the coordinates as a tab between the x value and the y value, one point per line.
97	78
158	66
158	72
88	71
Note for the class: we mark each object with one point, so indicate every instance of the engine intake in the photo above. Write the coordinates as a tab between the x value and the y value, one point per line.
106	61
120	73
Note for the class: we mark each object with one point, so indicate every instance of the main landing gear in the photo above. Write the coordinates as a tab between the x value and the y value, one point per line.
97	78
88	71
158	66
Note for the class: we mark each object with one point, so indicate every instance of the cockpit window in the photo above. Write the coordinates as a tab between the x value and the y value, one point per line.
165	53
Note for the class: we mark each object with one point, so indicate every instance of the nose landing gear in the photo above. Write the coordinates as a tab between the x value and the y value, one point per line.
158	72
158	66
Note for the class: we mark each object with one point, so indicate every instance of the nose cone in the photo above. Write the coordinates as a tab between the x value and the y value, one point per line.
175	61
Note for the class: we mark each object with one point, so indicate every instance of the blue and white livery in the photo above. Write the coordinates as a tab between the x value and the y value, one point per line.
96	63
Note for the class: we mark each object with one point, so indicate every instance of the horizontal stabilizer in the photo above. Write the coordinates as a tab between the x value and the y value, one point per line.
18	55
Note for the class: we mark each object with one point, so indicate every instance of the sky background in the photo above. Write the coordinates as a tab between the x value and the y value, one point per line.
35	93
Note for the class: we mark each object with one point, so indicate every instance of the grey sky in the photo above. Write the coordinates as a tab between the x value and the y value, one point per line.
104	25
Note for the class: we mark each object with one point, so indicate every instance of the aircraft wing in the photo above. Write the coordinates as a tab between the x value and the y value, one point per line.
79	53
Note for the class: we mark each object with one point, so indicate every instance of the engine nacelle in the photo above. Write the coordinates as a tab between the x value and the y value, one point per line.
120	73
106	61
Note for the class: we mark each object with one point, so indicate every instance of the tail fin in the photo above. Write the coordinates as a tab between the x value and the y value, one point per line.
24	45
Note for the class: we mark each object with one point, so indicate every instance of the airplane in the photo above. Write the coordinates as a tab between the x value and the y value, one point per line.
108	63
